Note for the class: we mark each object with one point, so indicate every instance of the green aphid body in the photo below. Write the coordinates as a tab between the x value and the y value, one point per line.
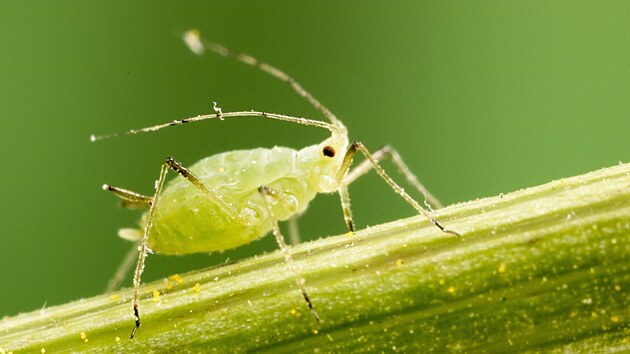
187	221
233	198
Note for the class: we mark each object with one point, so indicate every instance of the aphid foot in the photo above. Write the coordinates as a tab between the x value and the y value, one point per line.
137	316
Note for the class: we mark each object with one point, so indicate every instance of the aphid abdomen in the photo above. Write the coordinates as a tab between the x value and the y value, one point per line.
187	221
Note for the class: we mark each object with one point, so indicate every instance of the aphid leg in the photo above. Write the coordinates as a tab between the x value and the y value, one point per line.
123	269
131	200
293	230
143	248
192	178
389	152
347	160
266	193
170	163
345	205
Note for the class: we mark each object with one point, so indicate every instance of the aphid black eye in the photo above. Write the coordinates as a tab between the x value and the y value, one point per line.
328	151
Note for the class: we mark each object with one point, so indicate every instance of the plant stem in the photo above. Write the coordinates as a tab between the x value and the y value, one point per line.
541	269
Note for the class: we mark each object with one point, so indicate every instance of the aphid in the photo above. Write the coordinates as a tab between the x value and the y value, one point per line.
232	198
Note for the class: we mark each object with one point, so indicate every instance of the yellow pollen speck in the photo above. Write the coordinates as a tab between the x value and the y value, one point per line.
502	268
177	278
315	331
86	340
349	234
615	318
221	169
115	297
617	287
169	286
451	290
156	296
441	281
294	312
117	339
593	314
399	263
84	336
43	350
572	314
330	338
197	287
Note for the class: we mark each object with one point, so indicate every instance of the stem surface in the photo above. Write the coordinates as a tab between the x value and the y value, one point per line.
541	269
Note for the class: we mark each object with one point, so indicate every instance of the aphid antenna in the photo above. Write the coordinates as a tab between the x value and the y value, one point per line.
221	116
197	45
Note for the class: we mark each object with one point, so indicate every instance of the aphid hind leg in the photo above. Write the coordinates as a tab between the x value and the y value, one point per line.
171	164
192	178
347	161
131	200
389	152
123	269
293	230
269	193
143	248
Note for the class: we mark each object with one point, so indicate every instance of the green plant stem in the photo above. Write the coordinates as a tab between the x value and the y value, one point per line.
541	269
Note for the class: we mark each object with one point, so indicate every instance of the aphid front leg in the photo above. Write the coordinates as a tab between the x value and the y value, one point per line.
345	203
342	175
389	152
269	193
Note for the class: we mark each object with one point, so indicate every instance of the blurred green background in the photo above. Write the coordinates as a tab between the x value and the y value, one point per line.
479	97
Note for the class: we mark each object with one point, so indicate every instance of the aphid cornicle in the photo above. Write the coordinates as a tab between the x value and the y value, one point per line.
232	198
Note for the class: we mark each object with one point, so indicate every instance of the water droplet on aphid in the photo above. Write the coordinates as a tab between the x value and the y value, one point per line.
249	215
290	201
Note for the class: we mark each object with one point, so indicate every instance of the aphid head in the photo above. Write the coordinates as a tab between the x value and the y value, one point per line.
323	161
